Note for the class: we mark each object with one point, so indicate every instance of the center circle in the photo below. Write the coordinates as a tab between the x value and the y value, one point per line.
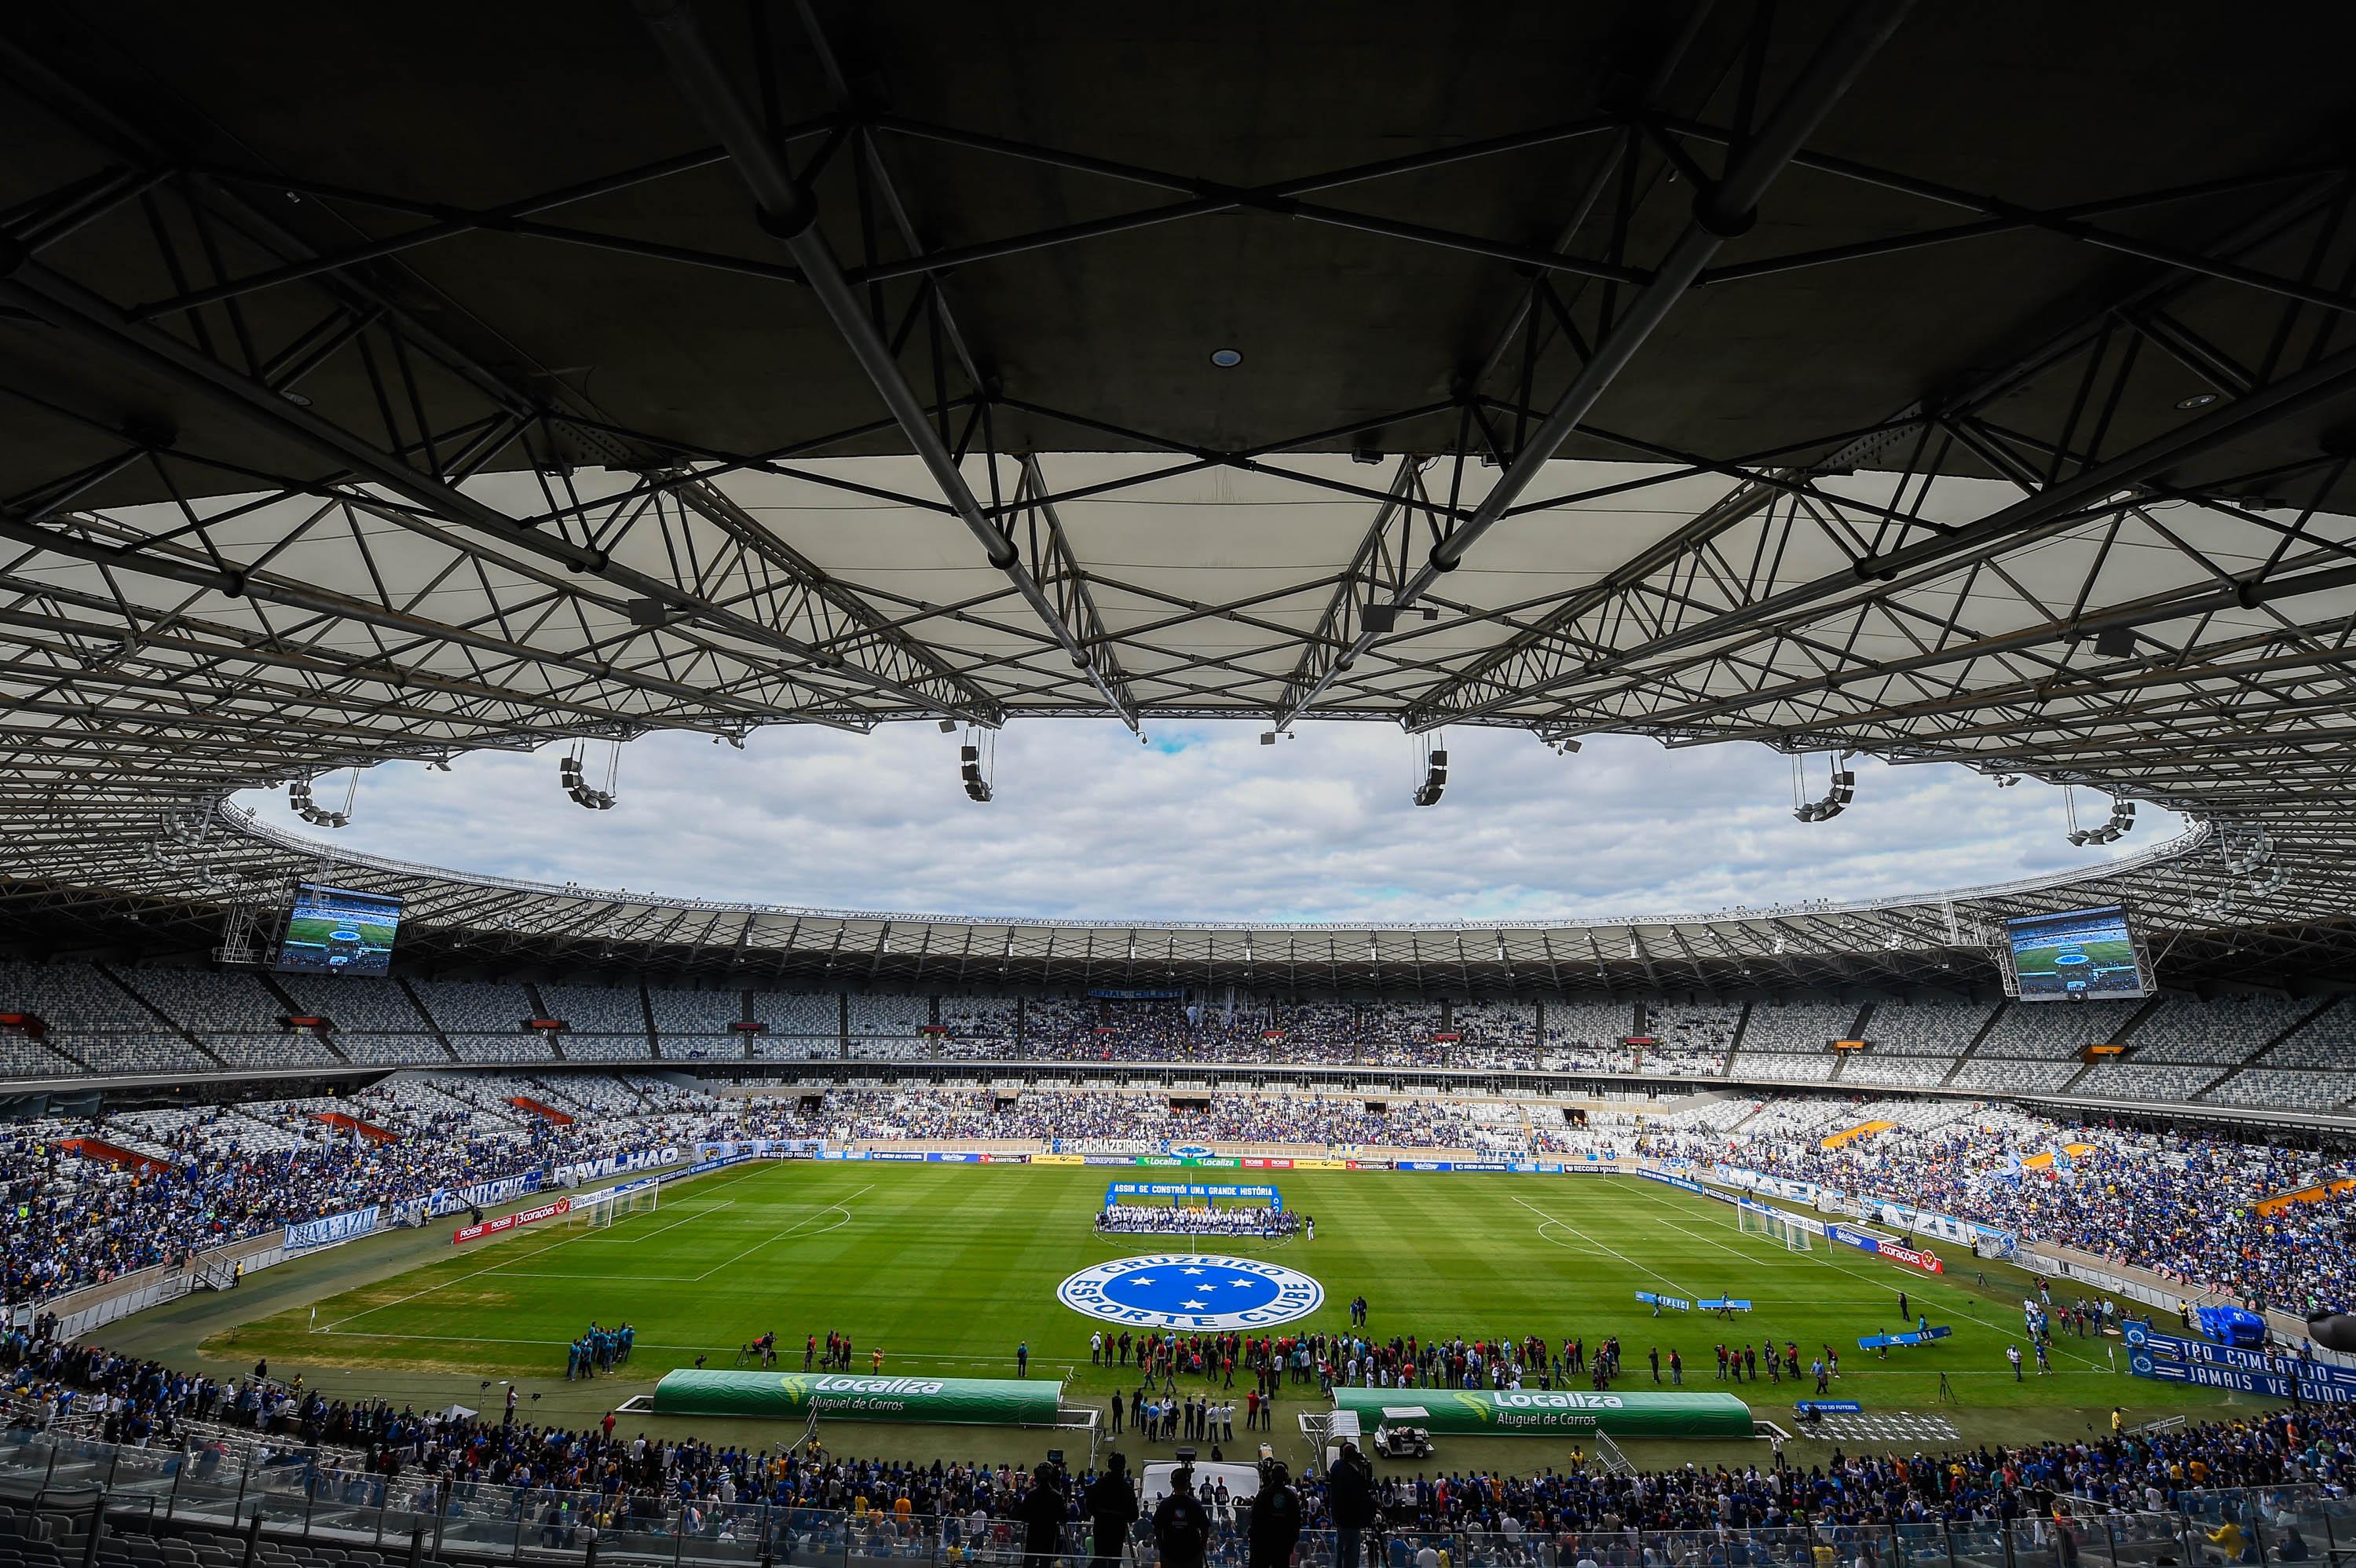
1191	1291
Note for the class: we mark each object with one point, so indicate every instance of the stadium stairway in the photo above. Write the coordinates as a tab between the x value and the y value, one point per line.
296	1010
426	1013
159	1015
2124	1033
2263	1058
1857	1027
1987	1025
654	1035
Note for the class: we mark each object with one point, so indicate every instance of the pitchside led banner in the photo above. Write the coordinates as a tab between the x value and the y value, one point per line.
1514	1411
850	1396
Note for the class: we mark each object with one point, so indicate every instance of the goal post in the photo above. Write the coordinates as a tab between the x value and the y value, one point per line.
600	1211
1774	1227
623	1205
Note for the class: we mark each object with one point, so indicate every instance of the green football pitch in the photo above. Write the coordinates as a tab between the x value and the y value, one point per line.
313	931
2101	956
948	1269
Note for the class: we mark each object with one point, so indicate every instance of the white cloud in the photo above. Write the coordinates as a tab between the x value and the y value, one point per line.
1206	824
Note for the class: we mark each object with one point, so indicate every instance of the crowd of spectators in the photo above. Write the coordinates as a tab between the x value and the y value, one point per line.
2184	1204
203	1178
599	1481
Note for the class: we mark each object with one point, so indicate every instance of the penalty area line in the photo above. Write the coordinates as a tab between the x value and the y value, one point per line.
1959	1311
659	1230
841	1208
1631	1263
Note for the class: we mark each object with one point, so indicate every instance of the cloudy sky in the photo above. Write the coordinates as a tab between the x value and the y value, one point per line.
1206	824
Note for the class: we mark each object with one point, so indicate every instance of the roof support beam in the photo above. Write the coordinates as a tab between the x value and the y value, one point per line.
786	209
1724	210
84	316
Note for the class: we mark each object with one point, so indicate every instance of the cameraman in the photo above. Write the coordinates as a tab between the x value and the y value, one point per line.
1111	1508
1042	1511
1350	1494
1275	1521
1181	1527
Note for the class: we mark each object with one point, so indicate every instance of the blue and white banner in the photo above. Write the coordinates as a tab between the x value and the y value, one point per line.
2173	1359
1682	1183
705	1167
611	1164
770	1148
1850	1236
1758	1181
332	1229
1193	1189
482	1194
1916	1222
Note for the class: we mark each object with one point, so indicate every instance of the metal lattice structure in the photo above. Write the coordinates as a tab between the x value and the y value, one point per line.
1836	379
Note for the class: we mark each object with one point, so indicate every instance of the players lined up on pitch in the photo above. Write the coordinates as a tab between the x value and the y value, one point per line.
1167	1220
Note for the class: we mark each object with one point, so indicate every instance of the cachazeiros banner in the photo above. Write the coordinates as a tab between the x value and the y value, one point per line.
854	1396
1511	1411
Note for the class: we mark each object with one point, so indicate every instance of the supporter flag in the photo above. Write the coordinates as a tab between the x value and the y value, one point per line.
2062	1160
2012	1167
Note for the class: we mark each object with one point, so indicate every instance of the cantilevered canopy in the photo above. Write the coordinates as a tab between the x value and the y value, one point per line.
1840	378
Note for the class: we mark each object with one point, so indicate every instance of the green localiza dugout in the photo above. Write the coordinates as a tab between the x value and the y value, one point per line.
853	1396
1541	1411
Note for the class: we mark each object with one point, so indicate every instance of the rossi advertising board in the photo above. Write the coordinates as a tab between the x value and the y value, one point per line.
850	1396
510	1221
1538	1412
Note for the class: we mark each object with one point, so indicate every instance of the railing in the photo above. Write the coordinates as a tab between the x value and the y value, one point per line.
303	1497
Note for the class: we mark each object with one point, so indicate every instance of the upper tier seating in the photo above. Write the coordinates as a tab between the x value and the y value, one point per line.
2054	1031
474	1006
2220	1032
1940	1026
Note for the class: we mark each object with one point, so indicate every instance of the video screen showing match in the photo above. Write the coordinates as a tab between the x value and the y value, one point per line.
333	931
2080	953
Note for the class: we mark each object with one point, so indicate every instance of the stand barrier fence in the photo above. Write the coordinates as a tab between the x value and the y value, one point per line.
311	1511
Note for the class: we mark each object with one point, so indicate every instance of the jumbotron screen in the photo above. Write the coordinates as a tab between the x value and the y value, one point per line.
2080	953
333	931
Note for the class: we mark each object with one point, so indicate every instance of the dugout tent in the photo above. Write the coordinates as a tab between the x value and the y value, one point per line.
848	1396
1543	1413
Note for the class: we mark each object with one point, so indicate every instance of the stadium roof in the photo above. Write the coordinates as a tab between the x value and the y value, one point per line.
1839	378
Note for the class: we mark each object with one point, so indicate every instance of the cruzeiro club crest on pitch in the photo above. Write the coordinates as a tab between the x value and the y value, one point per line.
1178	1290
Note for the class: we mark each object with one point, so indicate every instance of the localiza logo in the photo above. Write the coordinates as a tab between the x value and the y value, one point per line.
1503	1402
1183	1290
802	1384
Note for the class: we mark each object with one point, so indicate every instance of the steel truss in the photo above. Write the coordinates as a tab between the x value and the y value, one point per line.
2122	559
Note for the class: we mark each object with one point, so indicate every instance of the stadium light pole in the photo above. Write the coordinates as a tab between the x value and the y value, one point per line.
787	210
1720	212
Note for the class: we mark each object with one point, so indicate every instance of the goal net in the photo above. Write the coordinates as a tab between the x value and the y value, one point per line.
1775	1228
602	1211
